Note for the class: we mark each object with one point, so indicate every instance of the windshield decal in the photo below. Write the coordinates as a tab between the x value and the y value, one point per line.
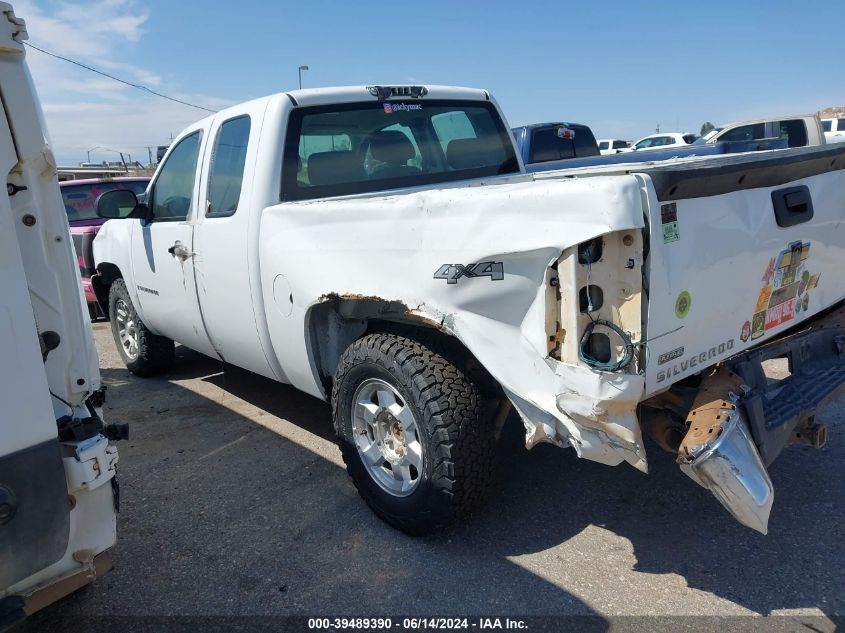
390	108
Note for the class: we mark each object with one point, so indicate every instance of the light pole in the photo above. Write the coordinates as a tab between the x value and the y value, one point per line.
106	149
91	150
301	68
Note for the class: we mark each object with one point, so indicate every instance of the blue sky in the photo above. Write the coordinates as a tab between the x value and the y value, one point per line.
620	67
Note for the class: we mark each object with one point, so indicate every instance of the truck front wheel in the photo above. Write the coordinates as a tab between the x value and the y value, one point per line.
144	353
413	431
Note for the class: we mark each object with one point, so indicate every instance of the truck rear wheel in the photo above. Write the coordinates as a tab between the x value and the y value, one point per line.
413	432
144	353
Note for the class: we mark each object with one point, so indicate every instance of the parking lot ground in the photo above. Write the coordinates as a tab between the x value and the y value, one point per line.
234	502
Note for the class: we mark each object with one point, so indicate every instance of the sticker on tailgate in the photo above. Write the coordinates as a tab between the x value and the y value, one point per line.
669	221
785	293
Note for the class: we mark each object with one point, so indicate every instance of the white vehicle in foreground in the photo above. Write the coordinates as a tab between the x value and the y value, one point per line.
663	140
612	146
384	249
58	494
834	130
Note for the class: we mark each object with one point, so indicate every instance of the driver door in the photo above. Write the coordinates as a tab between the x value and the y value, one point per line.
162	248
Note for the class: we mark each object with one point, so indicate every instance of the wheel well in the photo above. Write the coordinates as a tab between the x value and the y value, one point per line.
337	323
101	284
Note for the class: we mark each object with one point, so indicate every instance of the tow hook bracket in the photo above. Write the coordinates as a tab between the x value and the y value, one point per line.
719	454
808	433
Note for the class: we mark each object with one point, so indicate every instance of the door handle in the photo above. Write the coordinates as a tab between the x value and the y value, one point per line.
793	205
179	250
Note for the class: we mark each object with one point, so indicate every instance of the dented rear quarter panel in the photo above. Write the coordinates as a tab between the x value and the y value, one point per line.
390	247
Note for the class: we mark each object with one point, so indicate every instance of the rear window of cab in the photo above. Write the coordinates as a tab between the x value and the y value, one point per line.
376	146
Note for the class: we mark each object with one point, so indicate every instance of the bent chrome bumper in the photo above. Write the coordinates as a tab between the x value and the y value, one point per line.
740	420
730	467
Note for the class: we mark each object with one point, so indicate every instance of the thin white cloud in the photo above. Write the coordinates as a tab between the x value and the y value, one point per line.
85	110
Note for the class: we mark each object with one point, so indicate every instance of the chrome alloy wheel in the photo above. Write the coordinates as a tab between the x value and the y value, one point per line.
127	330
387	437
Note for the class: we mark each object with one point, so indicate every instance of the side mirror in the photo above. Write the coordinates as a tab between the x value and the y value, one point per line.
119	204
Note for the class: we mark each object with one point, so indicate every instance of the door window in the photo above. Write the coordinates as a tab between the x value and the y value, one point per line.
174	187
227	168
840	126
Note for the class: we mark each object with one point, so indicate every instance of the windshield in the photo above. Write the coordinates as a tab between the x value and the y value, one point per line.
375	146
80	200
701	140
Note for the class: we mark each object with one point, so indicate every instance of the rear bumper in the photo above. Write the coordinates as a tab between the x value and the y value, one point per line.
741	420
774	410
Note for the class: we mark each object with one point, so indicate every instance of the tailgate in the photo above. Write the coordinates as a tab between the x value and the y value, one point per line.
741	249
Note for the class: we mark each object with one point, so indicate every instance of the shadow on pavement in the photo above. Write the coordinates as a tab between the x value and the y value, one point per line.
221	515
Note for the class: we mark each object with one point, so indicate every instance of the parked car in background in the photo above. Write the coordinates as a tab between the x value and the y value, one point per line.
664	140
545	142
799	131
834	130
612	146
80	199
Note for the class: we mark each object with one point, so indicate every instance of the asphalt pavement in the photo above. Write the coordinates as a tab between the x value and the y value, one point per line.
234	502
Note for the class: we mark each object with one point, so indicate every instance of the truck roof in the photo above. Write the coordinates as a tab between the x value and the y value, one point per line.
766	119
351	94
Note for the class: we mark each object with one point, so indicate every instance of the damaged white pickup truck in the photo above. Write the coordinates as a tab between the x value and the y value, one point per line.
383	248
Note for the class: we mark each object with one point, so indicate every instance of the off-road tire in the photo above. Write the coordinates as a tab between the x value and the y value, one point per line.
453	422
155	353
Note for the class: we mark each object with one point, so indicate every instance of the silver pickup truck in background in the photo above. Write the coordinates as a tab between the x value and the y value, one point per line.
383	248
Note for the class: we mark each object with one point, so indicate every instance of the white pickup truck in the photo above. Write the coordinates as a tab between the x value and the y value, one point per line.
58	492
382	248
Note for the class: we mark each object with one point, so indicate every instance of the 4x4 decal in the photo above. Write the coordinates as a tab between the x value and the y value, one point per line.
452	272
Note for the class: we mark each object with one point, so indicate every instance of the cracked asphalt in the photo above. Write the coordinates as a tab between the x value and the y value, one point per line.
234	502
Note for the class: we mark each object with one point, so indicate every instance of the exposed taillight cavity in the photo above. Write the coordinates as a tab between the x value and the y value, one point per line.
597	305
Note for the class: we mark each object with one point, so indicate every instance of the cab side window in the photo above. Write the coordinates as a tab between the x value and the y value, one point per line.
227	168
173	189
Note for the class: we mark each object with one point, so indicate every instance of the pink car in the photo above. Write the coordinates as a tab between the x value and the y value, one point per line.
80	198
